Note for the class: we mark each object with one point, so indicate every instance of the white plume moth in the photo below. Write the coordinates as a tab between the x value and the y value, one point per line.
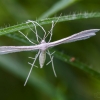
43	45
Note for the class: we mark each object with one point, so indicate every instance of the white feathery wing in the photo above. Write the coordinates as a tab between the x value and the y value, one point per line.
78	36
12	49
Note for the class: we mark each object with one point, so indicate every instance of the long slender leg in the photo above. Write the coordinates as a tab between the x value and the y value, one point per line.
26	37
50	61
31	67
51	57
31	64
37	36
31	57
38	25
51	30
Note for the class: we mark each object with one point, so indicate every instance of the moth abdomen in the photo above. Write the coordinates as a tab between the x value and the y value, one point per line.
42	58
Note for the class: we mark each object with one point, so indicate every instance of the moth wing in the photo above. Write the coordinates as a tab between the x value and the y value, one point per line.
76	37
12	49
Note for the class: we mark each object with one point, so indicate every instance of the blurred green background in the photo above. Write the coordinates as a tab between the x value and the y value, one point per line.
72	83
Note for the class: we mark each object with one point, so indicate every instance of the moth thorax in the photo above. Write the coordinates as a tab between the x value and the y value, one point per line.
42	58
43	41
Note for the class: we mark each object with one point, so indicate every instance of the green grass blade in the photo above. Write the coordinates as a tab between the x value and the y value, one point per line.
48	21
77	64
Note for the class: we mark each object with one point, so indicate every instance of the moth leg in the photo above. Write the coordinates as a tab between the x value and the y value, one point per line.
30	21
32	67
51	30
51	61
31	57
37	36
32	63
51	57
26	37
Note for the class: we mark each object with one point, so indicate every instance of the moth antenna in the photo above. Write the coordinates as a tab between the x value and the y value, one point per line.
26	37
31	68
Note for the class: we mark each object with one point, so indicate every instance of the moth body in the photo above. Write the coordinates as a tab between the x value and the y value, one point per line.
42	56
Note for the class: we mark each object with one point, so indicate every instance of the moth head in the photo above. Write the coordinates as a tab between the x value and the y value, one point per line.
43	41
